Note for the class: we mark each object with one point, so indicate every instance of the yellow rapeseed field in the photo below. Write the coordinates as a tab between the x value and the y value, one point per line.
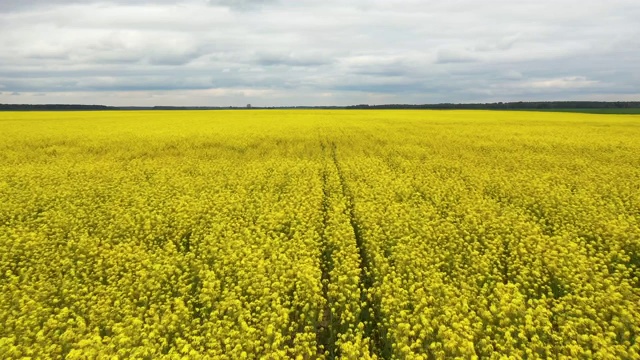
320	234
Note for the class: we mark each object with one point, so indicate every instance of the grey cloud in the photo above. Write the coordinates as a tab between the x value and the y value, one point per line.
446	56
100	84
504	43
291	59
242	4
16	5
388	88
317	52
26	5
173	58
384	72
512	75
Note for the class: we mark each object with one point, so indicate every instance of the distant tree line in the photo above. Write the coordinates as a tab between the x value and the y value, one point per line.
51	107
520	105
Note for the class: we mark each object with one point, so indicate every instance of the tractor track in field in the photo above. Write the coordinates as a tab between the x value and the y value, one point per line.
326	334
370	314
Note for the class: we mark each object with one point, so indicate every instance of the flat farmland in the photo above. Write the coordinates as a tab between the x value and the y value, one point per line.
319	234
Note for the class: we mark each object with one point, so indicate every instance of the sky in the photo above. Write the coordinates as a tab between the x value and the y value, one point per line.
306	52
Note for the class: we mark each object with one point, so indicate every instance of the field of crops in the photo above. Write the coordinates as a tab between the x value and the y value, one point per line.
319	235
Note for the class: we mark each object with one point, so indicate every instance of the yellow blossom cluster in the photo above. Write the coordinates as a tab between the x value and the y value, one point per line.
499	235
319	235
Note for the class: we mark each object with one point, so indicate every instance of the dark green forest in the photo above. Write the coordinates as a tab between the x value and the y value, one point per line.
600	107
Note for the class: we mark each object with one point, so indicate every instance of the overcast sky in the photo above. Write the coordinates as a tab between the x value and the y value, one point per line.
306	52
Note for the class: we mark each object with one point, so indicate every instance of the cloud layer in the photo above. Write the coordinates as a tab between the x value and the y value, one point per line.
270	52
